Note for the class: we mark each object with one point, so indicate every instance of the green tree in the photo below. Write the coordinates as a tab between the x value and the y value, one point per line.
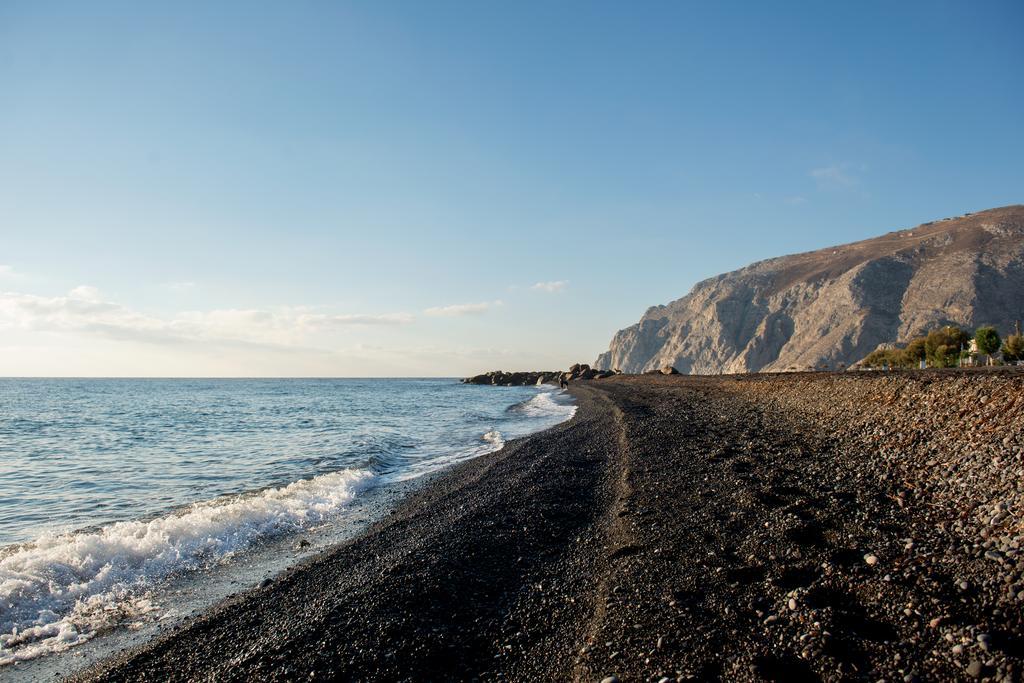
945	356
1013	348
988	341
942	346
915	352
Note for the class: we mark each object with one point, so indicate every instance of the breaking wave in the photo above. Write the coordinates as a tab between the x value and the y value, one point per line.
545	404
61	590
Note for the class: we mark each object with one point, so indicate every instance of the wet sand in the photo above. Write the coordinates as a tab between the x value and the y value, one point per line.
779	527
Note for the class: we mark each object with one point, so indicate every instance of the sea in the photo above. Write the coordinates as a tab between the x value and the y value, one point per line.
128	505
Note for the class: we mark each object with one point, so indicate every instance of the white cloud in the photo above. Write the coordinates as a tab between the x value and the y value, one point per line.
836	176
85	293
84	311
456	310
553	286
322	320
184	286
80	310
8	272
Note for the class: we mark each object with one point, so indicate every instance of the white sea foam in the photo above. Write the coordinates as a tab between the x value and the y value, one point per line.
544	404
494	437
62	589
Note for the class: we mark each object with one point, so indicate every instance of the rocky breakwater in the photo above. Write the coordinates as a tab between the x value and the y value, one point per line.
501	378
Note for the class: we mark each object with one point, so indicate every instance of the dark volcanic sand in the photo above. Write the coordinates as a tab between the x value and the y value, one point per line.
776	527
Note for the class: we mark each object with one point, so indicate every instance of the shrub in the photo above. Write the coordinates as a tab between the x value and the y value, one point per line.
894	358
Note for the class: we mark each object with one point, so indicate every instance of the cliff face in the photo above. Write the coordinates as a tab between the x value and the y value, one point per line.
838	304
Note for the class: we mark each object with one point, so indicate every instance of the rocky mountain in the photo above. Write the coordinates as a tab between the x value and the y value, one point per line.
834	306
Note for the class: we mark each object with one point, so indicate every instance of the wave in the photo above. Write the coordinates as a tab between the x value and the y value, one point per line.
545	404
64	589
61	590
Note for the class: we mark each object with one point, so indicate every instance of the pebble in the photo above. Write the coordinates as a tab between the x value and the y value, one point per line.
974	669
871	559
610	679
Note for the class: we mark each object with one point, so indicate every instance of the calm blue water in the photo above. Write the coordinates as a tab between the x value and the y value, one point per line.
108	487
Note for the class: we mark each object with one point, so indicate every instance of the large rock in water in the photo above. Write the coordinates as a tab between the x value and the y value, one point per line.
834	306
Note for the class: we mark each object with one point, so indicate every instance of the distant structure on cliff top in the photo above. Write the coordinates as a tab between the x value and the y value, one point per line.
833	306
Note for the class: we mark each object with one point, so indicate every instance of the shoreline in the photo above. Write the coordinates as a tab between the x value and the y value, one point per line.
159	576
741	527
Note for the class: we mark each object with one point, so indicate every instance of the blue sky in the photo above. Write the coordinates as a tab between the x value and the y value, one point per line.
410	188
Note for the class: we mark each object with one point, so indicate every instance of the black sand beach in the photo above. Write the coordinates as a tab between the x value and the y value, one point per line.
774	527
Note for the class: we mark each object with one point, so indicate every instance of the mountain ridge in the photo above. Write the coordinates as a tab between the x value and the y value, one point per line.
832	306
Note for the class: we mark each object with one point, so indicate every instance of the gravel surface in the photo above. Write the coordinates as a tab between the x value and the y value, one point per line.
767	527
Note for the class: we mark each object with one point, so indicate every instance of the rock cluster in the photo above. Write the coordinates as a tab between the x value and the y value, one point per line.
513	379
500	378
584	371
664	370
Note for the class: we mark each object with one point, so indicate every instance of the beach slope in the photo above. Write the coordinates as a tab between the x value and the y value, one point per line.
769	527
